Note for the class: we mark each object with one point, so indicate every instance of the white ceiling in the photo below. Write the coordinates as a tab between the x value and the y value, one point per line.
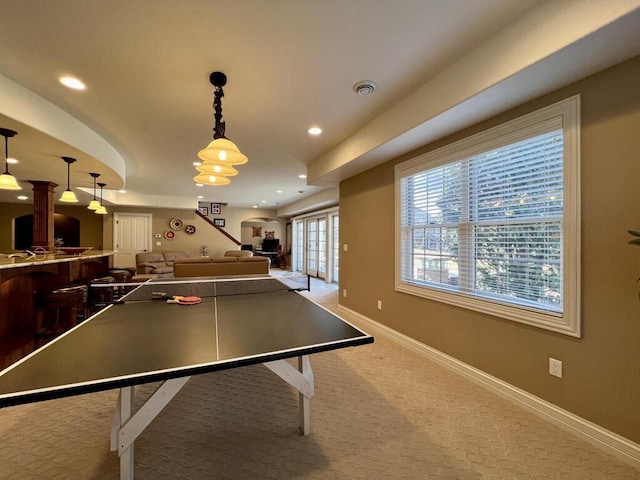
291	64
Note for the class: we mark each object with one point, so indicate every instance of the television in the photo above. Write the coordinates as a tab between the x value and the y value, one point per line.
270	245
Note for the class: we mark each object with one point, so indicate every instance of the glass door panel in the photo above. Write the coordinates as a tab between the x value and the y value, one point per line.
335	221
322	247
312	247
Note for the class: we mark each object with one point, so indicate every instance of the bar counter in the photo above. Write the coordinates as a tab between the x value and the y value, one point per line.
21	278
50	258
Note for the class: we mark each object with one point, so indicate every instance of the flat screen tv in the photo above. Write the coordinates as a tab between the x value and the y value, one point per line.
270	245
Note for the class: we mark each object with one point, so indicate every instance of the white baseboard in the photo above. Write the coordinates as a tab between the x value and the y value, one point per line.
612	443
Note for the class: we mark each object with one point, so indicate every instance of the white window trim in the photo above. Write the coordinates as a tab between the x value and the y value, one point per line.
567	112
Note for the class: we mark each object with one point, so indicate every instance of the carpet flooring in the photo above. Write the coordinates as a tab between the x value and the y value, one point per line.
380	412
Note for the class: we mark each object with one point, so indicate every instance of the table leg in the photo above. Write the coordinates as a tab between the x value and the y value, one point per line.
128	425
125	400
304	366
300	379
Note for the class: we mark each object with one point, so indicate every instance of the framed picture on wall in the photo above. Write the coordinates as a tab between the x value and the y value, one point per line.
218	222
204	211
215	208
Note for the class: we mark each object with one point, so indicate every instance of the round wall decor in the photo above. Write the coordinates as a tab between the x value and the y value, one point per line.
175	223
169	234
190	229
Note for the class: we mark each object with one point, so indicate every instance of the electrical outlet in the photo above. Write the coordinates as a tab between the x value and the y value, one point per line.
344	292
555	367
379	304
345	247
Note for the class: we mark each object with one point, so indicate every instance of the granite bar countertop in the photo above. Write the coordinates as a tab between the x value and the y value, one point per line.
49	258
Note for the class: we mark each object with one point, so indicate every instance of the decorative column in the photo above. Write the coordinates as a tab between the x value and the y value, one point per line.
43	214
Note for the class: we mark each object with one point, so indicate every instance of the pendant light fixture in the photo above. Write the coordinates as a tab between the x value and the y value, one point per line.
101	210
207	179
8	181
94	204
68	196
217	169
221	153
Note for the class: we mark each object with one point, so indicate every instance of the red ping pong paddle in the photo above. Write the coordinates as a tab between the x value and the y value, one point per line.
189	300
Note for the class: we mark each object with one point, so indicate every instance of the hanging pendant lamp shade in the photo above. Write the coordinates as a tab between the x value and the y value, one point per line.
210	179
222	150
8	181
68	196
212	168
94	204
101	210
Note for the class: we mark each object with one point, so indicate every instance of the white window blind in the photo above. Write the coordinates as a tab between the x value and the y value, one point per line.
482	222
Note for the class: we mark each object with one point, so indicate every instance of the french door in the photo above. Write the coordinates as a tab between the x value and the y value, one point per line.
313	266
316	246
315	241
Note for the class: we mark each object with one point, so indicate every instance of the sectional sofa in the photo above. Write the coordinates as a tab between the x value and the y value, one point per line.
234	262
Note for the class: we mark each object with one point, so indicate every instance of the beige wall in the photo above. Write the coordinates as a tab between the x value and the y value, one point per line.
90	223
97	230
216	242
602	369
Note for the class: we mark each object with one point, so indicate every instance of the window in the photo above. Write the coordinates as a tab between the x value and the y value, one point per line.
491	223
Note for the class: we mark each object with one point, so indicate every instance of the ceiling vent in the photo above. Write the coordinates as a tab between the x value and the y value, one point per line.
365	87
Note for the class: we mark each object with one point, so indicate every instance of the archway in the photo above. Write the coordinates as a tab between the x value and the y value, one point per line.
258	230
66	230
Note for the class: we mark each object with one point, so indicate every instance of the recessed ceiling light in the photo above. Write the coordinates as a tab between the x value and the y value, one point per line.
12	160
278	191
302	176
315	131
197	164
72	82
200	197
199	185
255	206
22	197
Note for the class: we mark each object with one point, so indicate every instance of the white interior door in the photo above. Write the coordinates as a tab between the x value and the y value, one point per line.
131	235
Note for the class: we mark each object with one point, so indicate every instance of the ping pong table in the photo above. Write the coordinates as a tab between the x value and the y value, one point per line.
146	337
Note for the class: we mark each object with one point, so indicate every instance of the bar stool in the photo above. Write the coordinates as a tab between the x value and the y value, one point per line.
63	307
120	275
100	297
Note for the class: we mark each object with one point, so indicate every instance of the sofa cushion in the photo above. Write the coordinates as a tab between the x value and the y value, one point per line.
253	259
150	257
238	253
193	260
147	261
170	257
225	259
160	269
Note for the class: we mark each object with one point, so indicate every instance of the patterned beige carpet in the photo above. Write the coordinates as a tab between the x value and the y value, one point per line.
380	412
